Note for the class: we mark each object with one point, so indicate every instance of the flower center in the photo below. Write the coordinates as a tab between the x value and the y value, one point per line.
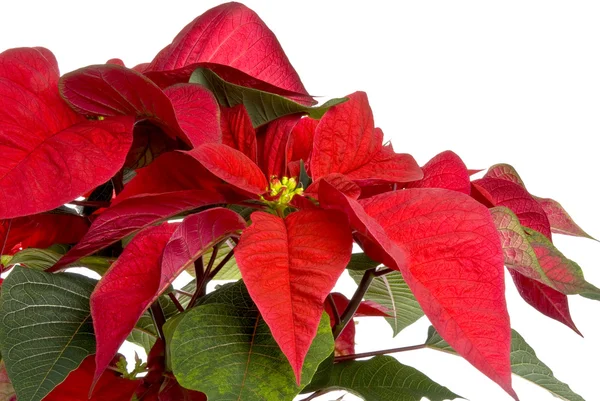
281	192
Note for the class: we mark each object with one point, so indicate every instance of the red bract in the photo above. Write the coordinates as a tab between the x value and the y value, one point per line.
289	266
347	142
43	141
109	387
447	171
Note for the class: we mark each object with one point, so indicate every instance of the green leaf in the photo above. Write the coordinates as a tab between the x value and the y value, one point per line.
303	177
392	292
524	363
224	349
361	262
229	271
262	107
321	376
42	259
45	328
384	378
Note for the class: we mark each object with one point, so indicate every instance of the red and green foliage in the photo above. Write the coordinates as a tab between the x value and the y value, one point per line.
213	159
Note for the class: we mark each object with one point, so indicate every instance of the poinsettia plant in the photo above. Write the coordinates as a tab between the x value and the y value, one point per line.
213	160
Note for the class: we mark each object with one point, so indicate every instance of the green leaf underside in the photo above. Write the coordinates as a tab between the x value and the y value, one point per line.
361	262
392	292
224	349
42	259
45	329
262	107
524	363
384	378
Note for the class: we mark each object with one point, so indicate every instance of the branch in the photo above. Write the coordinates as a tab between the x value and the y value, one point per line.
334	309
375	353
217	269
158	317
176	302
354	302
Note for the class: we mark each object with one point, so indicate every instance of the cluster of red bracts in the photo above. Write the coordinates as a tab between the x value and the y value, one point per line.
63	137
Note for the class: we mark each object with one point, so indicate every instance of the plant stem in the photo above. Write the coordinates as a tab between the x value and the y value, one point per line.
381	352
354	302
158	317
216	270
176	302
187	294
213	256
200	284
383	272
117	182
334	309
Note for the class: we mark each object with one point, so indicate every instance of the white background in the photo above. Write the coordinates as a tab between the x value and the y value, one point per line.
511	81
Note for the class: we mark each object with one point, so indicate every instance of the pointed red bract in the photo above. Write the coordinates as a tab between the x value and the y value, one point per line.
339	181
560	221
233	35
238	131
132	215
197	113
170	172
289	267
232	166
274	146
186	111
506	193
543	298
447	249
347	142
40	231
126	291
44	142
301	139
447	171
110	386
195	236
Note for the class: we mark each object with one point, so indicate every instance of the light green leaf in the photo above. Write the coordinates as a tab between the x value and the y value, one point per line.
392	292
45	328
524	363
224	349
42	259
144	333
361	262
262	107
229	271
384	378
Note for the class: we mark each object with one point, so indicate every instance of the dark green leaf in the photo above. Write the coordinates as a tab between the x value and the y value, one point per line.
524	363
262	107
45	328
361	262
392	292
144	332
224	349
42	259
303	178
321	376
384	378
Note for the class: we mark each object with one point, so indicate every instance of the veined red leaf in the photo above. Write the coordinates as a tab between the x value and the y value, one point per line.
196	235
43	141
126	291
560	221
77	386
543	298
197	113
346	142
455	270
170	172
187	111
565	275
273	151
301	139
233	35
238	131
172	391
232	166
505	172
447	171
518	252
506	193
339	181
344	343
134	214
40	231
289	267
